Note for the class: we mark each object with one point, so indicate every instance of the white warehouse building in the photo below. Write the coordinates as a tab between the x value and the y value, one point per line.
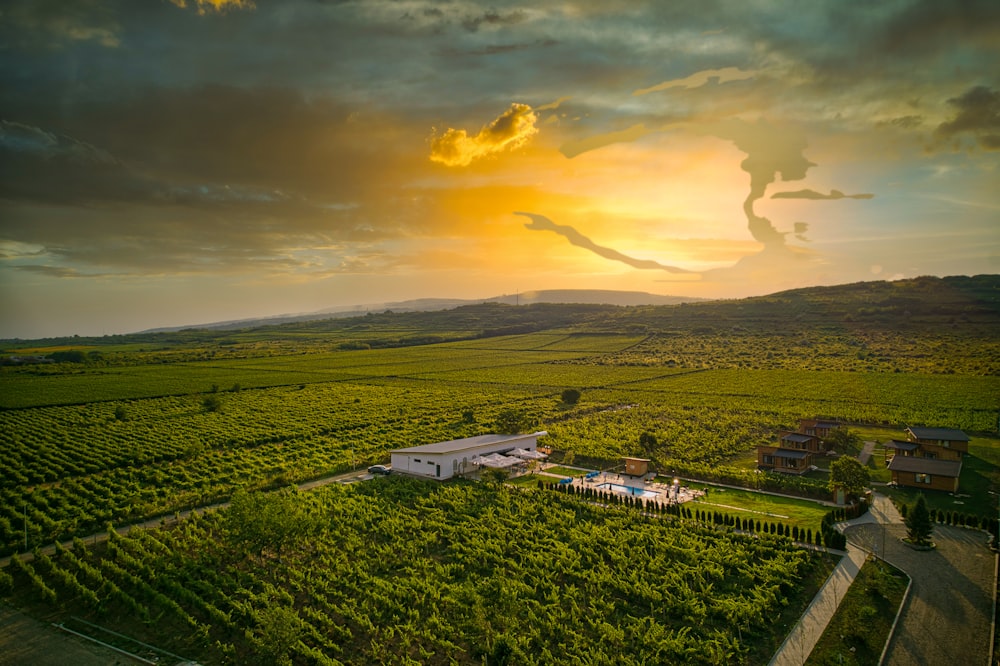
445	460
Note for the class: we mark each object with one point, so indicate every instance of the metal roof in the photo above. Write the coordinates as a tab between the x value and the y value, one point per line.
949	434
949	468
794	454
455	445
797	437
901	446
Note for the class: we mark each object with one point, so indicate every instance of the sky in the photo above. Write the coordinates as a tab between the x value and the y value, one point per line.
176	162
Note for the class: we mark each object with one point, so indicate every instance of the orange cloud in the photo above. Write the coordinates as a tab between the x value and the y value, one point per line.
510	130
216	5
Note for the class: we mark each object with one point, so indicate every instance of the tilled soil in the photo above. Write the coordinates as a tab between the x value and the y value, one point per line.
947	617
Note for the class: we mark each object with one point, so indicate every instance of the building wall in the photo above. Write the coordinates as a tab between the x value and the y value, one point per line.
939	452
937	482
936	444
453	463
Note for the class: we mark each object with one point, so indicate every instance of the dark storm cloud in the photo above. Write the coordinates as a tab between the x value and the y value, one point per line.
492	17
54	24
977	115
932	25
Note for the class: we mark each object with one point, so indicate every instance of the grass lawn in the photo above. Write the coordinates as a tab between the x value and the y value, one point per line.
528	480
864	618
565	471
760	506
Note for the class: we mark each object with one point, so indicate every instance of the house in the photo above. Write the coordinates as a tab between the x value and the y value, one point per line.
793	453
817	427
894	448
920	472
929	458
445	460
939	443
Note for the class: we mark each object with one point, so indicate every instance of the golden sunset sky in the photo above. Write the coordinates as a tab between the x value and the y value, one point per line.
171	162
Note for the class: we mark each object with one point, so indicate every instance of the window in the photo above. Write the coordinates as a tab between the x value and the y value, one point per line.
922	478
430	462
416	460
768	460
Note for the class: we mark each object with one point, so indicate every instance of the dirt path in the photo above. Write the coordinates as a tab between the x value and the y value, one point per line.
347	477
25	640
946	619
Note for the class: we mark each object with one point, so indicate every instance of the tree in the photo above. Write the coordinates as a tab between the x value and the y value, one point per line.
848	473
512	421
260	521
844	441
647	441
918	523
211	403
571	396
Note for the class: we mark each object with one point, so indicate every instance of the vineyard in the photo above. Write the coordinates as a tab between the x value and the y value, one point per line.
399	571
113	432
86	448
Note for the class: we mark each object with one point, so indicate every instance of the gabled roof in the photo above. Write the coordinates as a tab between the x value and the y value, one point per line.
797	437
949	434
949	468
901	446
468	443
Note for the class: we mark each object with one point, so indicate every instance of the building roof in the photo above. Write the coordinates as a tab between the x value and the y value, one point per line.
797	437
468	443
901	446
791	453
949	468
949	434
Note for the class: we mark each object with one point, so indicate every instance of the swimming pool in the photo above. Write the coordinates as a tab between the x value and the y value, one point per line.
627	490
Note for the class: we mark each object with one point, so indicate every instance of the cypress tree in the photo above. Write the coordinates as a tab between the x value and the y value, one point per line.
918	523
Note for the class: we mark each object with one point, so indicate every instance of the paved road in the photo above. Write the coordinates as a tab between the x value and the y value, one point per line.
803	638
947	618
347	477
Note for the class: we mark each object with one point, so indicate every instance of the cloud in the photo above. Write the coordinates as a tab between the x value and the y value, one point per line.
218	6
813	194
698	79
58	24
542	223
978	115
509	131
634	133
493	18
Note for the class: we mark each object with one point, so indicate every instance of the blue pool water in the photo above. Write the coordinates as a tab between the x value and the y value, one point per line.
626	490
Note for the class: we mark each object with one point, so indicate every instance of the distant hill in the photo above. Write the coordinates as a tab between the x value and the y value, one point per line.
953	306
583	296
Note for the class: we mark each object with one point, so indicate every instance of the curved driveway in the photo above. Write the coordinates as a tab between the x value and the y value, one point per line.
948	615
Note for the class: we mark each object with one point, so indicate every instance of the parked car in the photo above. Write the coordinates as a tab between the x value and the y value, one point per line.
379	470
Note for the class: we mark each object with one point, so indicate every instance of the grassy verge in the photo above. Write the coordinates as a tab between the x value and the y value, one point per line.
860	627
